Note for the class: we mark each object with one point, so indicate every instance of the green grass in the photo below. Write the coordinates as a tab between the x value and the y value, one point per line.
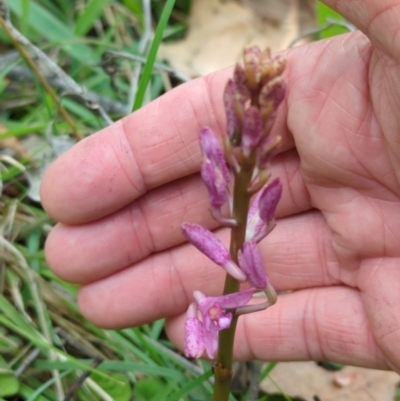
47	348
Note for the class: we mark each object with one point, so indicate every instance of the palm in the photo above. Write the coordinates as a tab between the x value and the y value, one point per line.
349	159
336	229
346	135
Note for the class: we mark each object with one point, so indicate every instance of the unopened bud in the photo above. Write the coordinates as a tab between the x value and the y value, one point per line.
252	129
271	96
251	263
206	242
232	125
270	67
252	66
269	201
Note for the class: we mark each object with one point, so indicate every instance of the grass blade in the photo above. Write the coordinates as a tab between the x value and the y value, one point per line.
190	386
151	59
86	20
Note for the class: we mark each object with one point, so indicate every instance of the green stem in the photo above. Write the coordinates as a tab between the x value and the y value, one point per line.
223	366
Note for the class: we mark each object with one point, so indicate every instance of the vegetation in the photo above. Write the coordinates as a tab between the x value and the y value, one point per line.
107	49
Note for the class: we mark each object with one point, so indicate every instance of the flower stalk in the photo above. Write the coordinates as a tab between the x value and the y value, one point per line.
237	174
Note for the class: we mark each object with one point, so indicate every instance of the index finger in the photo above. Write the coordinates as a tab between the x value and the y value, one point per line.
149	148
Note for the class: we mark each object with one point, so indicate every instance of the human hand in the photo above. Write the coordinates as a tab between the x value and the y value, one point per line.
122	194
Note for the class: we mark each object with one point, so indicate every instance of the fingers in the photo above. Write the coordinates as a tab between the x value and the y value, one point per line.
314	324
297	254
379	280
151	147
377	19
152	223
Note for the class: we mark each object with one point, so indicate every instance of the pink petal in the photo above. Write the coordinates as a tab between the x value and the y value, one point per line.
212	150
211	342
232	124
269	199
194	338
229	301
239	77
206	242
251	263
271	96
215	183
252	129
254	222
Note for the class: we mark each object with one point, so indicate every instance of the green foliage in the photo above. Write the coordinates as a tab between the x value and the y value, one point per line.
117	386
326	14
9	384
89	15
151	58
39	317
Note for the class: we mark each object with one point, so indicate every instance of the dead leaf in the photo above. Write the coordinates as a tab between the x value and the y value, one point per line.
218	31
13	145
306	379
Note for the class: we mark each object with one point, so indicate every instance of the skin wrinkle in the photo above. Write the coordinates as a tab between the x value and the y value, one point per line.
214	102
150	245
140	187
306	331
295	175
359	41
129	153
380	14
368	173
322	254
315	67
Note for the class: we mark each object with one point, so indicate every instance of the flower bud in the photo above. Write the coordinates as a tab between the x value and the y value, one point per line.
212	150
252	265
270	67
267	150
252	66
240	79
252	129
232	124
215	183
271	96
206	242
269	199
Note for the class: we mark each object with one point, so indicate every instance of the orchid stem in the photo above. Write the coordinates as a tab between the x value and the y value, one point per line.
241	201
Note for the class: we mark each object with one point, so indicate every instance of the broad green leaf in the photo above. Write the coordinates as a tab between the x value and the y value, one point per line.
119	388
9	384
149	388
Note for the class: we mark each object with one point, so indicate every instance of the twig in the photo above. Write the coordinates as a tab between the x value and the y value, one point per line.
255	376
141	59
39	307
26	362
21	73
78	383
58	75
329	24
19	41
